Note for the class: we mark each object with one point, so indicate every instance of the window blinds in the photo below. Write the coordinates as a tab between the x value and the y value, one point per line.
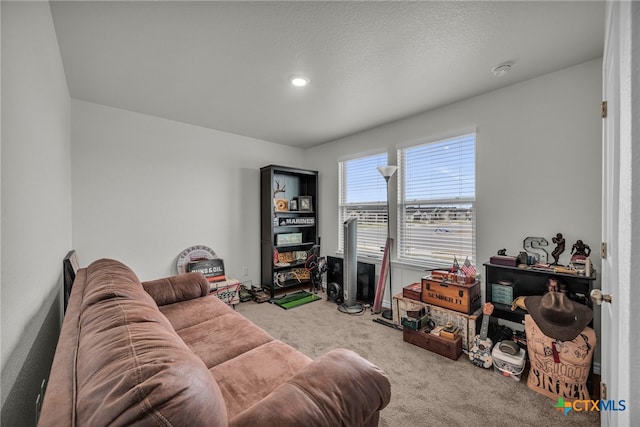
436	208
363	194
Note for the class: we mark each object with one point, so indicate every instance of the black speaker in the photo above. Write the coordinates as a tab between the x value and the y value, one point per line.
334	292
366	279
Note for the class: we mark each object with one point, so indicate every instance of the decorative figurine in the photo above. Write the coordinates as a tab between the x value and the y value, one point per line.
502	252
580	250
559	241
553	285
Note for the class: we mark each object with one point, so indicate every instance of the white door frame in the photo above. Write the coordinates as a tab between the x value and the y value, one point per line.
620	341
610	204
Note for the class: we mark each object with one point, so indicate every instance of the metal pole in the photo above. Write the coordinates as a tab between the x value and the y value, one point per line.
388	314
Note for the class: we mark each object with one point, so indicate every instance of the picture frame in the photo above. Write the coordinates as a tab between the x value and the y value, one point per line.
293	204
288	239
304	203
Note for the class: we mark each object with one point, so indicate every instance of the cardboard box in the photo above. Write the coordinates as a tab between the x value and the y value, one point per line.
454	296
469	324
442	346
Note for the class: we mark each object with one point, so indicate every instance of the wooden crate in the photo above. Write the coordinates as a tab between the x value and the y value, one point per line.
402	304
469	324
454	296
413	291
442	346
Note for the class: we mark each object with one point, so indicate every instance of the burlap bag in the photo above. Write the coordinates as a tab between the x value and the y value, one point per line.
566	378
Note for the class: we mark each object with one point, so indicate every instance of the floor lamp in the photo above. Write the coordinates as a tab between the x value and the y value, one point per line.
387	172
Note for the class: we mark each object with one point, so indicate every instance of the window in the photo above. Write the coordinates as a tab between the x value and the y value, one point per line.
436	208
363	194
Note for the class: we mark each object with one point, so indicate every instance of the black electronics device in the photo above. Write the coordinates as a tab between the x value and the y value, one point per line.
69	268
366	276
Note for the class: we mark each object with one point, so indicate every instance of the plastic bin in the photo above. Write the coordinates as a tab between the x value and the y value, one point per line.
511	366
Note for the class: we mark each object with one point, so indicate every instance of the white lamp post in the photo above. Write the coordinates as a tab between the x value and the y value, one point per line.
387	172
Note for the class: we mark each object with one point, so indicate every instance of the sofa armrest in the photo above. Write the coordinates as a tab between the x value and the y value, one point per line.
177	288
338	389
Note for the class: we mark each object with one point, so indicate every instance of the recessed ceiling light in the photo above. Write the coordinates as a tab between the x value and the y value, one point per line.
501	70
299	81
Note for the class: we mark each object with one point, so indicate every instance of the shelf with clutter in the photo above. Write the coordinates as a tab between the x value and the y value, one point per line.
288	226
530	272
552	302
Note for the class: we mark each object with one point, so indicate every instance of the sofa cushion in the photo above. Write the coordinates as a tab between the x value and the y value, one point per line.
214	331
247	379
340	388
178	288
193	312
131	366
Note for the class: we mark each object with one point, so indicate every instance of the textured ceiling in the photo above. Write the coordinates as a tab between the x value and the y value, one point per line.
225	65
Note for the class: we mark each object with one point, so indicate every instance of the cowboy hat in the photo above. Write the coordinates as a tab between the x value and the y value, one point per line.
557	316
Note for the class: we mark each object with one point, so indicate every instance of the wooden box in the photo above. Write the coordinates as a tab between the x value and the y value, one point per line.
442	346
413	291
402	305
454	296
469	324
509	261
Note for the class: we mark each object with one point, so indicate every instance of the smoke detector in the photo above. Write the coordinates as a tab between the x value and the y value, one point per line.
501	70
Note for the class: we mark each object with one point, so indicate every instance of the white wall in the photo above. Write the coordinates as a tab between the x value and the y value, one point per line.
36	186
146	188
538	166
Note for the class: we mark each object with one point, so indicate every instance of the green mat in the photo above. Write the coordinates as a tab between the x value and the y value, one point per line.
295	300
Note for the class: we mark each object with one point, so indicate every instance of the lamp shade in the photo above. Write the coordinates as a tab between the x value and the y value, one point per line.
387	171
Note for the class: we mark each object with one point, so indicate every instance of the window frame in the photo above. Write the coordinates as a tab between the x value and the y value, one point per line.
380	158
459	205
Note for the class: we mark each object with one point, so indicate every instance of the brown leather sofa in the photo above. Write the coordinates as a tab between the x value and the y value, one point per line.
166	353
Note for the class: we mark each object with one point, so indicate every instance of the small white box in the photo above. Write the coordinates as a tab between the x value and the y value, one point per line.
508	365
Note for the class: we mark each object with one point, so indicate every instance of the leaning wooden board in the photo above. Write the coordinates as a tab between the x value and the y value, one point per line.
461	297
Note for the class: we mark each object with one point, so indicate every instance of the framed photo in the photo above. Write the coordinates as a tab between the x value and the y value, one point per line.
293	205
304	203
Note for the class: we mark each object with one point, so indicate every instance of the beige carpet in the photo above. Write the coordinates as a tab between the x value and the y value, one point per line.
426	389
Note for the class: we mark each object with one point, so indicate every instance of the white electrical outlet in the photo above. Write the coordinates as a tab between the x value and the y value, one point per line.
38	407
39	399
245	271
